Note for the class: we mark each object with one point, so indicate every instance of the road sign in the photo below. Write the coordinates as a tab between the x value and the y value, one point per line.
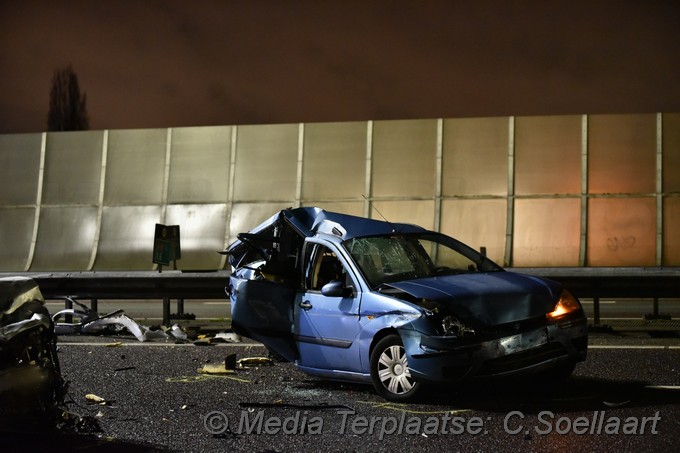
166	244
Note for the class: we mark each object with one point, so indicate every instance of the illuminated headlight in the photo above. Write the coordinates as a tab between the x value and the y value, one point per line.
452	326
565	305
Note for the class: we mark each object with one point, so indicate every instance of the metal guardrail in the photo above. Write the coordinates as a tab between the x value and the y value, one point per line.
595	283
166	285
626	282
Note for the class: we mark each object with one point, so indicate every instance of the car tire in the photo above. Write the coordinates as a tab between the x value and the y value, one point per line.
390	372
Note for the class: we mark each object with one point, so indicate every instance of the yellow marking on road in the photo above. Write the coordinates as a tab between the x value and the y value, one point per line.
404	408
204	377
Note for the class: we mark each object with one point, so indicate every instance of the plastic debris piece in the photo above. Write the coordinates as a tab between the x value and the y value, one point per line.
228	337
93	323
153	334
91	397
176	332
203	342
253	361
115	344
210	368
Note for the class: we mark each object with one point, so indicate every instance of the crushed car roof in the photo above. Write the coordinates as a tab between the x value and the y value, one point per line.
310	221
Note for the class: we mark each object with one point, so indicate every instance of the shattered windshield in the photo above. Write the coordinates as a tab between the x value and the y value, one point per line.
387	259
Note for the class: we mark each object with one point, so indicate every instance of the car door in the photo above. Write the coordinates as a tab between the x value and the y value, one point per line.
263	310
327	325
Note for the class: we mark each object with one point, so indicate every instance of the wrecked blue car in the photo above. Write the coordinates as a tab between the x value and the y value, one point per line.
354	299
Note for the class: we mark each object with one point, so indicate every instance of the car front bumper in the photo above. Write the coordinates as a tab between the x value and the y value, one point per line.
436	358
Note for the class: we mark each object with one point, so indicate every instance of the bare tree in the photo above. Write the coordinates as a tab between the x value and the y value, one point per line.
67	105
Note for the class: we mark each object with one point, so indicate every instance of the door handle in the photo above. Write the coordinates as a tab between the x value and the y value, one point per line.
305	305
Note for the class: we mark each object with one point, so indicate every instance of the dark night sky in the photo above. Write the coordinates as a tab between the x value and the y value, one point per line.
185	63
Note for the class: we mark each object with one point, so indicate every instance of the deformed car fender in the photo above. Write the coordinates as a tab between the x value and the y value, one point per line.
378	326
413	327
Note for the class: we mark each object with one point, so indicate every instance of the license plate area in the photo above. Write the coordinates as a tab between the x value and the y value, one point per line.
523	341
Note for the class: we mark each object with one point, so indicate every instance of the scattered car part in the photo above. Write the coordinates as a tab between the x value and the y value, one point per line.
254	361
91	322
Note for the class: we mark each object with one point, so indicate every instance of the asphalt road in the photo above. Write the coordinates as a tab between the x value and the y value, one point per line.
157	399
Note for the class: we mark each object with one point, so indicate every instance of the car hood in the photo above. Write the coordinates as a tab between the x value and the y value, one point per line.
486	299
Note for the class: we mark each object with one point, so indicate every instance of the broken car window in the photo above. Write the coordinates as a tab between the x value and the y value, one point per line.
326	267
386	259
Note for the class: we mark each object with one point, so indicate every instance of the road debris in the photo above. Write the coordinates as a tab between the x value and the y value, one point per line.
228	337
203	342
91	322
211	368
231	364
253	361
177	332
92	398
222	337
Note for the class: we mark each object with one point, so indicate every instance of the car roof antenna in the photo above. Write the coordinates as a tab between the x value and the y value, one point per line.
370	203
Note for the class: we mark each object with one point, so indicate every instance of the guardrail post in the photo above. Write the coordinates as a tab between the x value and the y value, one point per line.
68	305
596	310
180	306
94	305
166	311
656	307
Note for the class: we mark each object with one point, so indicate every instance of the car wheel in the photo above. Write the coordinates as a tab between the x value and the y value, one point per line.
390	372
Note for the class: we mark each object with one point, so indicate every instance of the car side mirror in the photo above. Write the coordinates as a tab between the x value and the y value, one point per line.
336	288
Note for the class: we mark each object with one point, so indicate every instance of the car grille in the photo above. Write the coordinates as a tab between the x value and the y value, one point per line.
505	330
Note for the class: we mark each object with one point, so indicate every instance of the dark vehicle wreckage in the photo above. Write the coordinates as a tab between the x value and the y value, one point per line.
355	299
31	387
